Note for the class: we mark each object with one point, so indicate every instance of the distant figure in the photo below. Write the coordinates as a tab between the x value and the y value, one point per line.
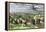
33	21
42	20
37	19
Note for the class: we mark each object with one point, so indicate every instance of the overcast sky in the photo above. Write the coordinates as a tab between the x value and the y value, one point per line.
23	7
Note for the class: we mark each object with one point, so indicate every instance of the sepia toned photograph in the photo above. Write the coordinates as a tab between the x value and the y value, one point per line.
23	15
